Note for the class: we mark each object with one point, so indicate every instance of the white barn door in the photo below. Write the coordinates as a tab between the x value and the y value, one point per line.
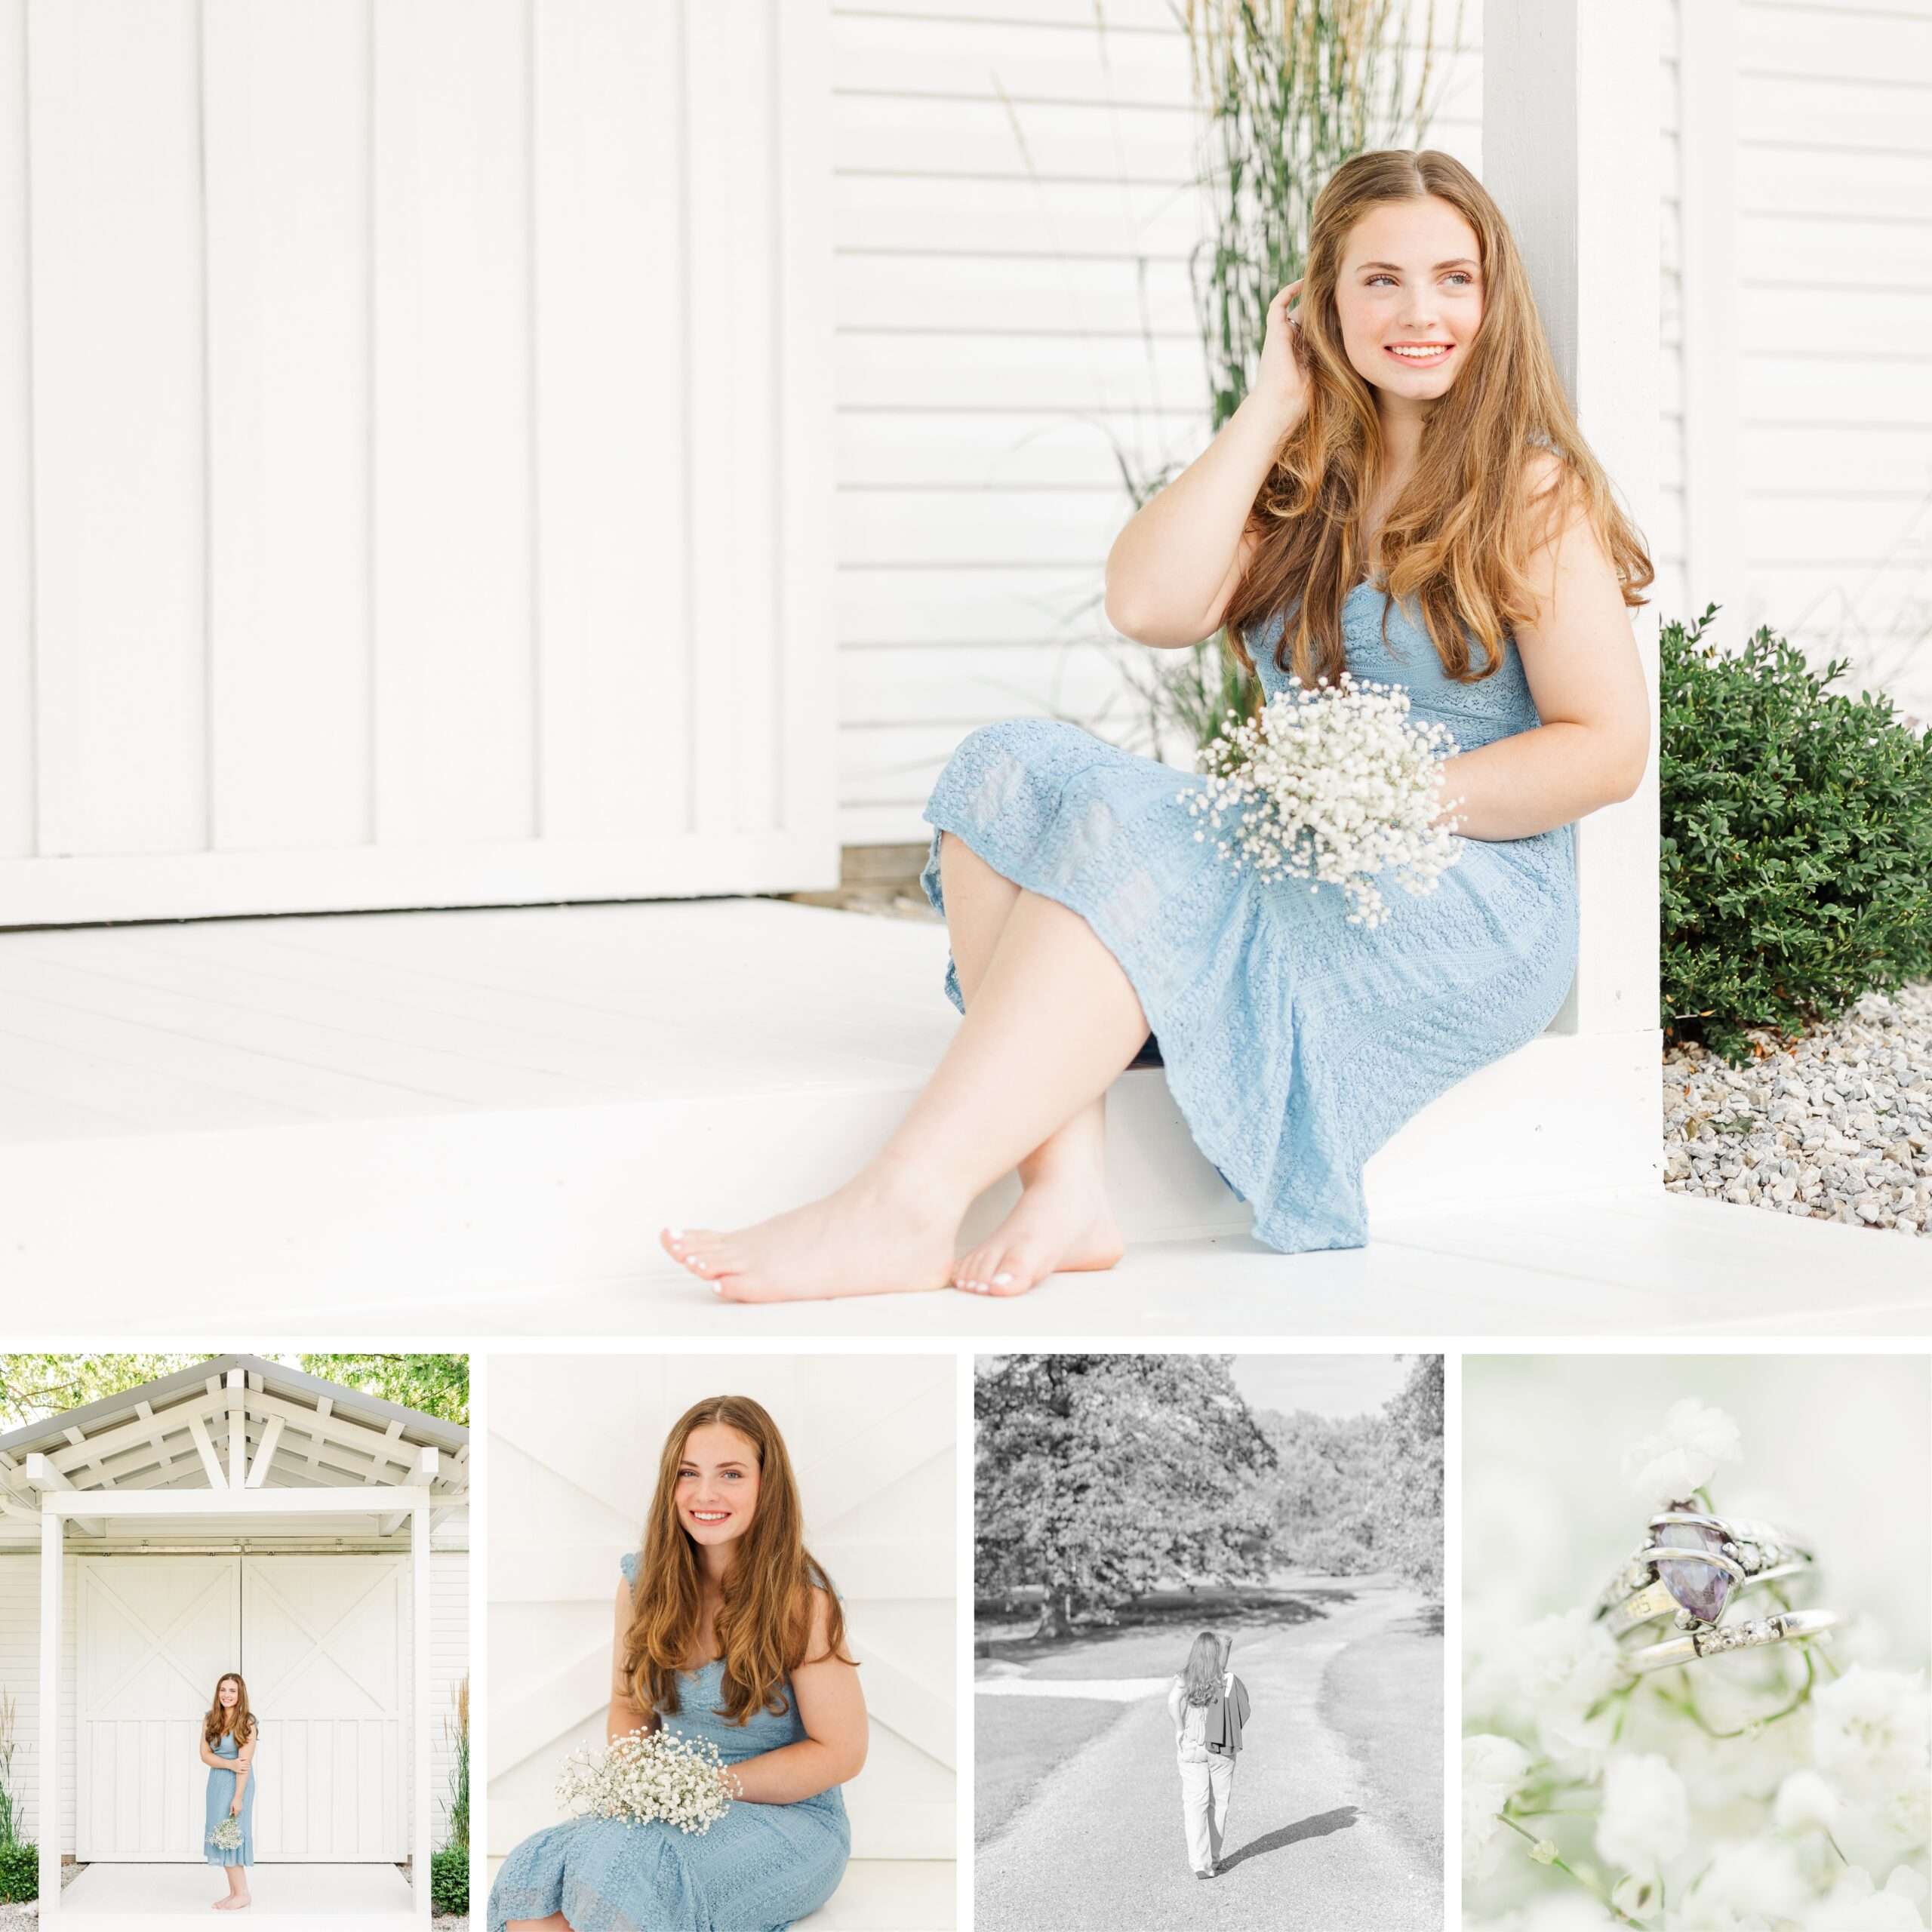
152	1636
324	1651
415	453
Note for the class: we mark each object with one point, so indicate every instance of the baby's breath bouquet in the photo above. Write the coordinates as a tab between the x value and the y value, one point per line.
226	1836
646	1775
1334	785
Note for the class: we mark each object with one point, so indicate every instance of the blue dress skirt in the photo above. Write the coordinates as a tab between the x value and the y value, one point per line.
221	1795
1294	1043
760	1868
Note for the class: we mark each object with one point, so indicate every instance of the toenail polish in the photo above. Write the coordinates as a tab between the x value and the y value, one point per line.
718	1287
1001	1281
676	1234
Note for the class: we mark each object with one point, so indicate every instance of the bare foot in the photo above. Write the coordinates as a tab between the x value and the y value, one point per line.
1064	1224
883	1232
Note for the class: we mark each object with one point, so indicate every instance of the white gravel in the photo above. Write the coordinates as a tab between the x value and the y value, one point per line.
1837	1126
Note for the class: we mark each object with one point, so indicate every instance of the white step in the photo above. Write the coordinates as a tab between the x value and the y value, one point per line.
327	1120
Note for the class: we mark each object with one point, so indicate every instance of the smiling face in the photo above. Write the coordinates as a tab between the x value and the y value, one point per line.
717	1488
1410	297
227	1692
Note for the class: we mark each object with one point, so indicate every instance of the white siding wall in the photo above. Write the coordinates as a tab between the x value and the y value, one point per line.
573	1448
19	1667
1835	313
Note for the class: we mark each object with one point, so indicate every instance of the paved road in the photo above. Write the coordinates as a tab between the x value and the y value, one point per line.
1099	1847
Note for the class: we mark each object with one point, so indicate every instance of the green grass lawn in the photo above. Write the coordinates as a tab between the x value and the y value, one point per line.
1386	1698
1017	1740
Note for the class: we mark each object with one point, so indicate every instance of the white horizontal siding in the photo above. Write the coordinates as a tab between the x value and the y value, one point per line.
1014	212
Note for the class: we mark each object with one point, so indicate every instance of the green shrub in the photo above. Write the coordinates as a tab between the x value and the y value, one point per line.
19	1872
1797	841
449	1883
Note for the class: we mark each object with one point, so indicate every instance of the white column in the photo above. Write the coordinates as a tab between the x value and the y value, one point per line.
237	1428
1707	142
424	1810
1570	143
48	1823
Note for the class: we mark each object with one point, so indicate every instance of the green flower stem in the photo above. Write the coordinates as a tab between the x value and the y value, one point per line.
1621	1918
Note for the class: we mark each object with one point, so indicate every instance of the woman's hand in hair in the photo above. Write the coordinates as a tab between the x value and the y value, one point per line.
1282	379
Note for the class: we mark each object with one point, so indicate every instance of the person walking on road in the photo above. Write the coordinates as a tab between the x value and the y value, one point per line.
1209	1705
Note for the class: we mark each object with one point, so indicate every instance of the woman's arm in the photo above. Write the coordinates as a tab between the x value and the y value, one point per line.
244	1756
211	1760
626	1713
1580	656
1172	571
1174	1707
831	1707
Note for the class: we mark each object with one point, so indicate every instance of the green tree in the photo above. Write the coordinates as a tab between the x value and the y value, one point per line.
438	1385
1405	1509
1096	1476
33	1387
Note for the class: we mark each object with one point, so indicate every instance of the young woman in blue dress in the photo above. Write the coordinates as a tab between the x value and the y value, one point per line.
229	1736
726	1630
1403	493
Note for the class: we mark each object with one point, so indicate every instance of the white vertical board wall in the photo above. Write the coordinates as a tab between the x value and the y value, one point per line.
154	1634
1015	213
574	1442
414	474
324	1647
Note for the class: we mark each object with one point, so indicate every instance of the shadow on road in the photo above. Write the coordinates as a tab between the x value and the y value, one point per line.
1318	1826
1427	1622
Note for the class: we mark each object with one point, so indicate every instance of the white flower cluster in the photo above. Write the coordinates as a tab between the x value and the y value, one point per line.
646	1775
226	1836
1788	1789
1335	785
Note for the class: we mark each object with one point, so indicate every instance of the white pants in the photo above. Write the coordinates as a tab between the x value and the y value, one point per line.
1205	1790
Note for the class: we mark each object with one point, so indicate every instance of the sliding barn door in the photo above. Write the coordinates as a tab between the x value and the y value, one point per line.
414	453
151	1636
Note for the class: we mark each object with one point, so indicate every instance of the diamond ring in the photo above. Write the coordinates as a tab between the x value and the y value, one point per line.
1693	1565
1786	1627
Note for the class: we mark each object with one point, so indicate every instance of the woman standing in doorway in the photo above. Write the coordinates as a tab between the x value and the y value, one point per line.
1208	1704
1404	494
727	1632
229	1734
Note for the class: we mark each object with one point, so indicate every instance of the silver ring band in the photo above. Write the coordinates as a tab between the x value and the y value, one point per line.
1786	1627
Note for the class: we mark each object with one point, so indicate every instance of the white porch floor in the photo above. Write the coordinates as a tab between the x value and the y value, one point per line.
371	1896
389	1123
877	1895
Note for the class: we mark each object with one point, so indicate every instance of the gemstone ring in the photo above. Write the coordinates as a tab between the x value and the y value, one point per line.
1694	1564
1786	1626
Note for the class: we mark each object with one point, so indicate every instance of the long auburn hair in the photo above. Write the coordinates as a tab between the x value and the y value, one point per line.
764	1625
1201	1679
1458	539
218	1723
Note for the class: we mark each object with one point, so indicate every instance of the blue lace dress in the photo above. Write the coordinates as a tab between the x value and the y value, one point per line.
1294	1043
760	1868
221	1795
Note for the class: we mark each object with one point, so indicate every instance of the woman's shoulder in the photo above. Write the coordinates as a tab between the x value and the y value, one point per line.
628	1564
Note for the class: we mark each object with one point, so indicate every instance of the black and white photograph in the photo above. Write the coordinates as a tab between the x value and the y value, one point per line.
1207	1642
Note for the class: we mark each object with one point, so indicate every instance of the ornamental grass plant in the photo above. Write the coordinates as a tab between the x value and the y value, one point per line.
1796	851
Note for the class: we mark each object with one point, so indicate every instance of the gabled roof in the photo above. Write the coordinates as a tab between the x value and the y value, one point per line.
165	1433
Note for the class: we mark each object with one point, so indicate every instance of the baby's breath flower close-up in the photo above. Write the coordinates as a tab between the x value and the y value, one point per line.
1335	785
1672	1466
647	1776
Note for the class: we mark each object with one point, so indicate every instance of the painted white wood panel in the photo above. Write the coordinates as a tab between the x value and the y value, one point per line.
574	1442
119	510
1016	208
154	1634
324	1648
421	491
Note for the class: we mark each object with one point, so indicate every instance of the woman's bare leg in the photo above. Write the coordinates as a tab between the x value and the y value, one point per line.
1054	1022
1063	1219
